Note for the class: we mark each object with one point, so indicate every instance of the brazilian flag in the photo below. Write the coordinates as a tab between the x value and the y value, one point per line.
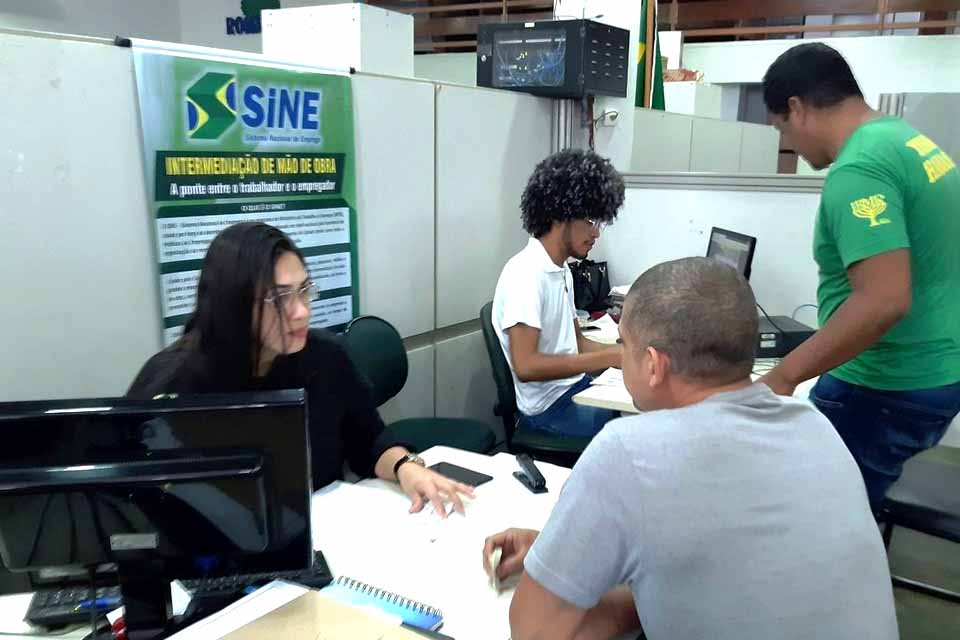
657	101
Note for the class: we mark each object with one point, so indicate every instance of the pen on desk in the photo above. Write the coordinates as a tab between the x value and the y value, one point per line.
99	603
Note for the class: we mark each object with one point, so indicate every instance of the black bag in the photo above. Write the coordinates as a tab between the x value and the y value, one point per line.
591	285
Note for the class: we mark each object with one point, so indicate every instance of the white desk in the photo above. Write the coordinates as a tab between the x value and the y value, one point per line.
12	610
617	398
366	533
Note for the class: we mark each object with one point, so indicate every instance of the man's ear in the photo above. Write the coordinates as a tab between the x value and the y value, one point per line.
797	109
659	366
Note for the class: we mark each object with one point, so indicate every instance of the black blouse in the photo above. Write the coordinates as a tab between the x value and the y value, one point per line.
343	420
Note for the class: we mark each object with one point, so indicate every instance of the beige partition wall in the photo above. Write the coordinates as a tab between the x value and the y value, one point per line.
77	270
395	200
488	142
676	142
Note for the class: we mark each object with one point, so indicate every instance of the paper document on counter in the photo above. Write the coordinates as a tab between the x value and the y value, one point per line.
610	378
243	612
605	323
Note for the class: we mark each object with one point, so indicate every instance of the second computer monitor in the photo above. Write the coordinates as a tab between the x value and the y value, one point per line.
732	248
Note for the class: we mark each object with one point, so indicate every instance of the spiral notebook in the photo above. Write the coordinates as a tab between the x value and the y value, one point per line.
358	594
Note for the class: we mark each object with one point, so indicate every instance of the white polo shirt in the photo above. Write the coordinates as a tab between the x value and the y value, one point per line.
534	291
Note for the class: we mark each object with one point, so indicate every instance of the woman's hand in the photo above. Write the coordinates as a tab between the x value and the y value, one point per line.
424	485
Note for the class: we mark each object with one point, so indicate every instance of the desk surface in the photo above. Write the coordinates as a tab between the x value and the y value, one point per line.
367	533
617	398
437	562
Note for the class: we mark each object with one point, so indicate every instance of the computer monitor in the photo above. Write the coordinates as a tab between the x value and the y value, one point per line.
133	492
732	248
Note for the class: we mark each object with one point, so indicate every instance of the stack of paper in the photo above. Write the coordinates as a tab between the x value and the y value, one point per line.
604	330
610	378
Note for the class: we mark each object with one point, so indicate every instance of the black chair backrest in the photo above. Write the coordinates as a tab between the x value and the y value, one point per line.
377	351
506	406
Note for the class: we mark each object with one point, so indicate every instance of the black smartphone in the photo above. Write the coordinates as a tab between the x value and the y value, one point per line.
466	476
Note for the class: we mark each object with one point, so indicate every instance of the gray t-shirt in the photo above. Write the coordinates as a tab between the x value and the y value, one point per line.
743	517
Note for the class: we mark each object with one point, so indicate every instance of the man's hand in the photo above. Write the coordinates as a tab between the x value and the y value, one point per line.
423	485
778	382
515	544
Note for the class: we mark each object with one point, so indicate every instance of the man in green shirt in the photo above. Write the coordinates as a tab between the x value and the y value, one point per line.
887	242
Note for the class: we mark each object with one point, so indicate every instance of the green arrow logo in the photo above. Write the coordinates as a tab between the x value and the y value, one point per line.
254	7
211	106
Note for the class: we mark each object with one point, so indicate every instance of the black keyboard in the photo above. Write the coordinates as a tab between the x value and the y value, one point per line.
59	607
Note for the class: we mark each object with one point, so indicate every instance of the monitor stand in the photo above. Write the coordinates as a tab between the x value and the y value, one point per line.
146	593
148	610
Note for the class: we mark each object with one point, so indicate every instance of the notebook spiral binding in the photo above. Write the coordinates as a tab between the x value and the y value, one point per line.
388	596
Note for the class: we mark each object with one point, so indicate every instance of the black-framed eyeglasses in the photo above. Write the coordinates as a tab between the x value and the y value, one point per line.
307	293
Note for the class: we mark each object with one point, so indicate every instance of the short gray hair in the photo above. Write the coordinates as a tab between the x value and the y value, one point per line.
698	311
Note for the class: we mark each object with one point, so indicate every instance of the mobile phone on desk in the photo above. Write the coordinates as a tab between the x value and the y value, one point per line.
466	476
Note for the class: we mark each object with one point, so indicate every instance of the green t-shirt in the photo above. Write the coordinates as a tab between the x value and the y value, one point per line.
892	188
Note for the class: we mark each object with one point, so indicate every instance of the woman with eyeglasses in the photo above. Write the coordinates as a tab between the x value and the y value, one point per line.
250	332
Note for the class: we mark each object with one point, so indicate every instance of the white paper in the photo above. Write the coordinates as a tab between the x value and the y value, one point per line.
622	290
605	323
242	612
610	378
603	330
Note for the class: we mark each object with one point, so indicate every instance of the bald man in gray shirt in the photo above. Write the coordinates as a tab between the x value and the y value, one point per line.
724	511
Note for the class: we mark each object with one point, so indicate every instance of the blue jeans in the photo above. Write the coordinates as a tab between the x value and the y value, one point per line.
883	429
566	418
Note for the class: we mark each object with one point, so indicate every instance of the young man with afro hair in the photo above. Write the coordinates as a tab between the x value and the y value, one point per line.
570	198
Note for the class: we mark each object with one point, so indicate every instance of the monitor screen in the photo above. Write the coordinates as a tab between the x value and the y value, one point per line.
732	248
212	485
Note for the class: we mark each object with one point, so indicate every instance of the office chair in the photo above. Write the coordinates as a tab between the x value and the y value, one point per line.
377	350
926	498
562	450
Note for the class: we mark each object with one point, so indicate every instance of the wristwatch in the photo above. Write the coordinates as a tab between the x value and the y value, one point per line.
410	457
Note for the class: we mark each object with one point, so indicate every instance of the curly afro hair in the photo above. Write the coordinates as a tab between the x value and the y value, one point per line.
568	185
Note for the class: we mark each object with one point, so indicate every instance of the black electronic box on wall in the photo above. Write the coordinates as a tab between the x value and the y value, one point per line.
559	59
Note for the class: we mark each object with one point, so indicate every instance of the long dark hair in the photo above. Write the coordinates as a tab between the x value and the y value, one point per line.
238	272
